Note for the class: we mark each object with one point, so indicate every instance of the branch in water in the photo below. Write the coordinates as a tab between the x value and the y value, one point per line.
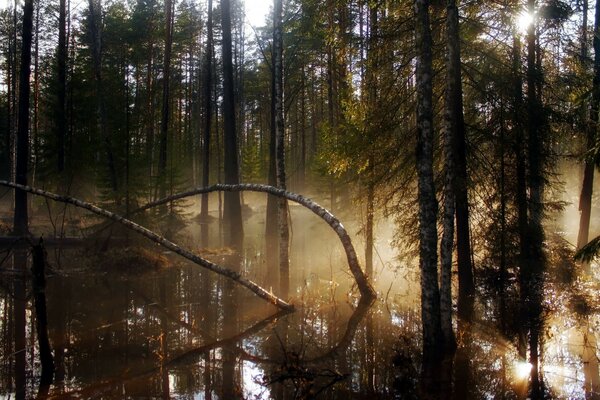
235	276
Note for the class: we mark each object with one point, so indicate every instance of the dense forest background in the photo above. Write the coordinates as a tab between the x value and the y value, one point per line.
458	122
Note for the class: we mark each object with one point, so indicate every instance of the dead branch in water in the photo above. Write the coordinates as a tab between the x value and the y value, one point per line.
363	284
235	276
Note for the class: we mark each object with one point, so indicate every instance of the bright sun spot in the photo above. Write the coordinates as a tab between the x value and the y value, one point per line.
523	369
524	21
256	11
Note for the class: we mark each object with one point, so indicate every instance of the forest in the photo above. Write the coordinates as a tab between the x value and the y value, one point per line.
346	199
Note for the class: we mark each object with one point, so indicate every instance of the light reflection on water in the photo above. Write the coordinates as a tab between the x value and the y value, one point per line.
115	331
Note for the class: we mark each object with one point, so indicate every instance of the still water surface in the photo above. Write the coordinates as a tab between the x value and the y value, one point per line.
145	324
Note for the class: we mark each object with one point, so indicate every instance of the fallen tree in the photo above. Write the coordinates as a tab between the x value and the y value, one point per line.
235	276
361	280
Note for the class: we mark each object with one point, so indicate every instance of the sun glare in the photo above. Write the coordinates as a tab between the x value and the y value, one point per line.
524	21
523	369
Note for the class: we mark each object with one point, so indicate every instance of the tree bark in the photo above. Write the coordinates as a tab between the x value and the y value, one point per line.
207	123
232	213
61	98
164	122
430	295
282	206
21	218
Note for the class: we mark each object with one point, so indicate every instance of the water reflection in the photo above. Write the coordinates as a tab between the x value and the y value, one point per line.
174	331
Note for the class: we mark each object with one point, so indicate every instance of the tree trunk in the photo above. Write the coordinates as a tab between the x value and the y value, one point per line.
361	280
61	98
466	286
430	295
272	239
207	123
534	273
21	219
282	209
232	213
164	122
95	24
591	128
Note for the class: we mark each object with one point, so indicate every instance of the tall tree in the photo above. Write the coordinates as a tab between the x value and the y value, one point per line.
207	121
591	129
61	98
21	219
430	295
95	26
282	209
232	212
164	122
466	285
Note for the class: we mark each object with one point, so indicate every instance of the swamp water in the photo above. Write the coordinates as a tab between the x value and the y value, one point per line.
169	329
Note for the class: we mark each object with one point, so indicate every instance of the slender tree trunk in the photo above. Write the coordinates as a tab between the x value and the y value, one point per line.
150	111
95	23
430	295
282	209
21	219
450	129
466	286
61	98
232	210
207	123
272	239
164	122
36	97
534	274
372	88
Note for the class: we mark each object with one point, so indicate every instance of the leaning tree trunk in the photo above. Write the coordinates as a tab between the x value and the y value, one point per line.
430	295
361	280
21	223
282	209
233	275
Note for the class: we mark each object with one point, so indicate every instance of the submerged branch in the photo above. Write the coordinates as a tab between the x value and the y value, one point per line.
235	276
363	285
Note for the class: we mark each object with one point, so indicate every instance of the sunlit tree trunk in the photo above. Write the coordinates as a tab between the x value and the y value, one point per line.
591	128
21	219
430	295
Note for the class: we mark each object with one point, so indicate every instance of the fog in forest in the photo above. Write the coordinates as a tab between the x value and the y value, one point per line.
345	199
